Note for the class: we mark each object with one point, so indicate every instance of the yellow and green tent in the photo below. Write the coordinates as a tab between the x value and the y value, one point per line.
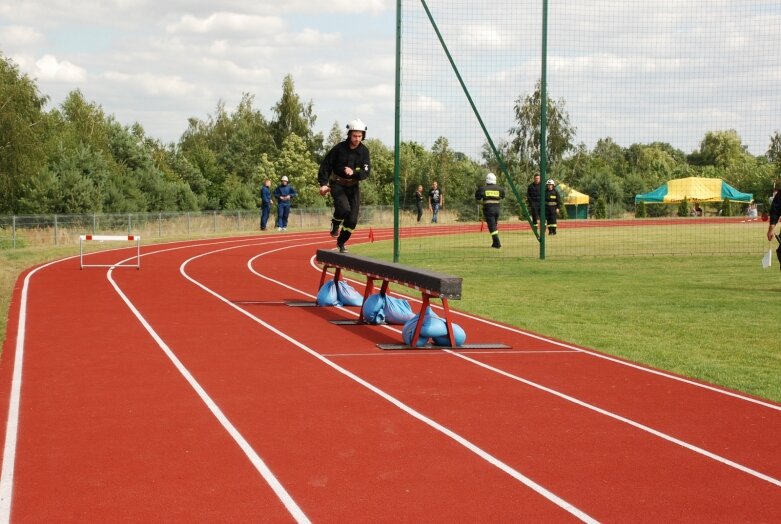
694	189
575	202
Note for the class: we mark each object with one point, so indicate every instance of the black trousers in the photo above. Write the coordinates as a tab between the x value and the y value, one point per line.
491	213
347	204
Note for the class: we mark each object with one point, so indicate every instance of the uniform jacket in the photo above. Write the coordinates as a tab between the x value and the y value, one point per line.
265	196
552	197
284	190
489	194
341	156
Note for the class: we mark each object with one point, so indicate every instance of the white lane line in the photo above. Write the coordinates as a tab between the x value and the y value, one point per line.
253	457
570	508
669	438
14	400
609	358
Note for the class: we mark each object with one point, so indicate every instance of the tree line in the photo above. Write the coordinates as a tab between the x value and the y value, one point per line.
76	158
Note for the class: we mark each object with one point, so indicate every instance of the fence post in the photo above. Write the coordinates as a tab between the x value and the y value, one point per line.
55	229
159	224
13	229
188	223
94	222
129	224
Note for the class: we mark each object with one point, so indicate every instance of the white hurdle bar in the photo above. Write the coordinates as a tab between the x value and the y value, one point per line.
110	238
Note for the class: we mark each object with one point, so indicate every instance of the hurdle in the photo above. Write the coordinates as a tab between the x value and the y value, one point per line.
110	238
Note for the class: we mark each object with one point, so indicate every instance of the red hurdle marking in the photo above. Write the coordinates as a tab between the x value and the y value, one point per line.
110	238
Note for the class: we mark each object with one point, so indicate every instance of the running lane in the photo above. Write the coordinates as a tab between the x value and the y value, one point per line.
153	394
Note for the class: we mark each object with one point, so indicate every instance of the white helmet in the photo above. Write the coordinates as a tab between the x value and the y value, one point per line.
284	178
551	182
356	125
490	178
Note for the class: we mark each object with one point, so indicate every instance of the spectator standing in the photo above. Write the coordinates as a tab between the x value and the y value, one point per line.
533	198
775	214
284	193
436	200
265	203
419	198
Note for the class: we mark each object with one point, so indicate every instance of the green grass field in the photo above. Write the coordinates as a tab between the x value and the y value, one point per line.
708	317
702	316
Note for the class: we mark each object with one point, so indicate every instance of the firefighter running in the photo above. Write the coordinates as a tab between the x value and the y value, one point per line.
341	172
490	195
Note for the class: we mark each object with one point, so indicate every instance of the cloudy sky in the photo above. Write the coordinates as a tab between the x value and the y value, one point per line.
666	70
160	62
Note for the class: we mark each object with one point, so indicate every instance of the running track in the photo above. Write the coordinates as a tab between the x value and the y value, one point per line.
189	391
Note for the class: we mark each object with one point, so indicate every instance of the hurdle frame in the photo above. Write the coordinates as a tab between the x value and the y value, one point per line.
110	238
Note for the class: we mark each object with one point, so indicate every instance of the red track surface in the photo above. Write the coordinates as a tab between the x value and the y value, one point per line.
189	391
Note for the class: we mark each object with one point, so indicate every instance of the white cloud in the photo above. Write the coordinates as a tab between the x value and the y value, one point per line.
48	68
224	23
16	36
150	84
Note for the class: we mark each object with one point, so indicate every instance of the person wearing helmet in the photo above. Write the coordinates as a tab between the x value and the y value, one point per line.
552	205
340	174
284	193
490	195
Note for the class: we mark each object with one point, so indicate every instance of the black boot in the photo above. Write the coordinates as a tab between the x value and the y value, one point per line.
344	236
335	227
496	244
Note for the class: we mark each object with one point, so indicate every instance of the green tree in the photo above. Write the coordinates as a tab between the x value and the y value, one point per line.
720	149
296	162
526	132
293	116
774	153
22	134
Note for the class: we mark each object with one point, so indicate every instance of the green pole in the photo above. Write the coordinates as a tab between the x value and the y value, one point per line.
543	124
396	141
487	135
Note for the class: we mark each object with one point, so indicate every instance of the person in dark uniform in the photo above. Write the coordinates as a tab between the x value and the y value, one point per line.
775	214
552	205
284	193
533	198
341	171
419	201
490	195
265	203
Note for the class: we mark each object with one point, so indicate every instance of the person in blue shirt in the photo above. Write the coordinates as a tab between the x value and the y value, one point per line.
284	193
265	203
